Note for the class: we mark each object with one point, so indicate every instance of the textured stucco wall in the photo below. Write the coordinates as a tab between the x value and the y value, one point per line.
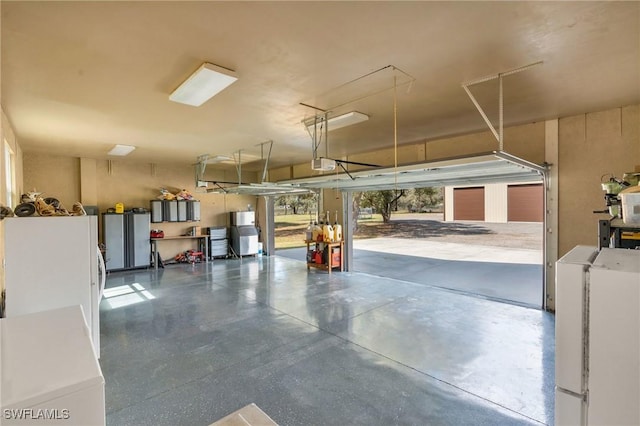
590	148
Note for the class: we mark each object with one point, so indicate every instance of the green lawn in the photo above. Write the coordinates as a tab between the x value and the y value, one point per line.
290	229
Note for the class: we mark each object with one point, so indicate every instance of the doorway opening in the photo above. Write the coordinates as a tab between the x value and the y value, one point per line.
292	215
456	247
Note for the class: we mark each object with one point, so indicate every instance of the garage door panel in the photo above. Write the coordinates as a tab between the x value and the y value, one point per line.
468	203
525	203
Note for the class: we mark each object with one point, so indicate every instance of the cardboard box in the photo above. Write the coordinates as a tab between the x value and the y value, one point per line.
630	207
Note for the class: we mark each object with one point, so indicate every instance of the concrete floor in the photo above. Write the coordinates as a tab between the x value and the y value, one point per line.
505	274
188	344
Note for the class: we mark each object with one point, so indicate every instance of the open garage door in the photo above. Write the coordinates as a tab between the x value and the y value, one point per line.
470	173
479	169
468	203
525	203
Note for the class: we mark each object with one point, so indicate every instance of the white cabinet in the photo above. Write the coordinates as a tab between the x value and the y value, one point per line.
53	262
49	370
597	339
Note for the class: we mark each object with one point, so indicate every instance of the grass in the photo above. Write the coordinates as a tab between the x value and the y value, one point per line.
290	229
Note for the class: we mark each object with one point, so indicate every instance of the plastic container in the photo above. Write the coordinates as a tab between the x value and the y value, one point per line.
630	205
308	233
337	232
327	233
337	229
316	232
119	208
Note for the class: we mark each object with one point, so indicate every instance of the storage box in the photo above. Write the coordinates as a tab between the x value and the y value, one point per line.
630	207
335	257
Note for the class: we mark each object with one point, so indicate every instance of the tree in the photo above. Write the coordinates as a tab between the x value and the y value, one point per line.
283	201
383	201
303	203
357	198
421	198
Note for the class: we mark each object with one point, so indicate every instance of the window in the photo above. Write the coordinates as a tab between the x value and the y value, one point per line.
9	167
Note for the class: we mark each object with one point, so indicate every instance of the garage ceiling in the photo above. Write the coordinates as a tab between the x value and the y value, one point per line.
80	77
473	170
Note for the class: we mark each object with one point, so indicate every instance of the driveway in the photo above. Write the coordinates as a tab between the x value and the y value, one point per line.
500	261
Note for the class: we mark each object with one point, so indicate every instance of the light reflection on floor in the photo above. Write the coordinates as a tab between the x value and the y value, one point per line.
192	343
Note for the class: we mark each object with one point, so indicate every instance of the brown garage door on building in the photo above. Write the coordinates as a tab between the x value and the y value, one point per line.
468	203
525	203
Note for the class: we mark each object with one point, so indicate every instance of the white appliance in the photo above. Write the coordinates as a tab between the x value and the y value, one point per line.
247	218
598	337
53	262
49	370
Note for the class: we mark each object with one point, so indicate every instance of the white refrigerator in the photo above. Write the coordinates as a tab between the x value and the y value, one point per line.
49	372
54	262
598	337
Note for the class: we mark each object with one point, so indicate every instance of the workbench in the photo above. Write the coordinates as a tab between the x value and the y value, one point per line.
203	245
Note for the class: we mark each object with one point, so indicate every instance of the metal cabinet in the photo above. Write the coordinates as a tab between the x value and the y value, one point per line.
126	237
175	211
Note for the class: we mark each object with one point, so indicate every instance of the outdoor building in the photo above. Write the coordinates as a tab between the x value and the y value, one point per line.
498	202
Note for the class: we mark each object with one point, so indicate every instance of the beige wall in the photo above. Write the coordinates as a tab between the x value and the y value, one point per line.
590	147
280	173
134	184
496	202
525	141
406	154
57	177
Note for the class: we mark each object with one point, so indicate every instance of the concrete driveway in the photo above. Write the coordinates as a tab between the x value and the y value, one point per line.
498	261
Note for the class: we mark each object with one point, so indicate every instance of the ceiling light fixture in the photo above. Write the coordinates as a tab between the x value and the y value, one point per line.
337	122
121	150
203	84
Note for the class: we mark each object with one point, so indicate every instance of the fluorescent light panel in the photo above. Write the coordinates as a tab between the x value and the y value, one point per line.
121	150
339	121
203	84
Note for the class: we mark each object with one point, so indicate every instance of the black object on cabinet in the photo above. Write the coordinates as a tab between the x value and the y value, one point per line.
126	238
